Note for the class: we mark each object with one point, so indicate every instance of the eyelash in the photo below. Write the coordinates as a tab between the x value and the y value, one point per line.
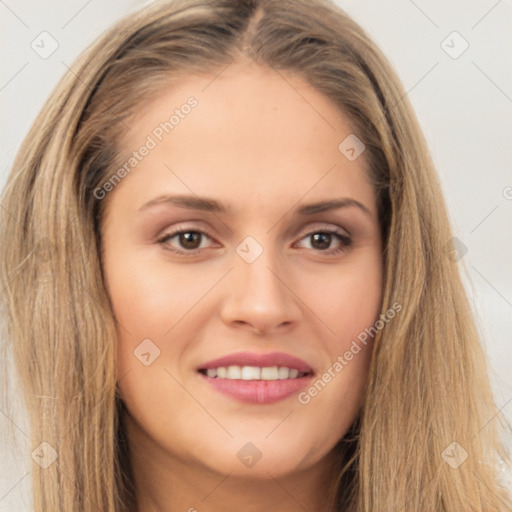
345	241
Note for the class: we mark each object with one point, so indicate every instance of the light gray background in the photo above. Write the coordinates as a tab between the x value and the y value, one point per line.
464	105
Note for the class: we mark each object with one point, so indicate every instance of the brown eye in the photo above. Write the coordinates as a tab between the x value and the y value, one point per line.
190	239
321	241
328	242
185	241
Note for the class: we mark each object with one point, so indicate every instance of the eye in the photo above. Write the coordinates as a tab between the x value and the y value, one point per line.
192	241
185	241
324	240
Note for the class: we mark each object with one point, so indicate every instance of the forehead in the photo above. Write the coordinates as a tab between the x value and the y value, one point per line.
245	134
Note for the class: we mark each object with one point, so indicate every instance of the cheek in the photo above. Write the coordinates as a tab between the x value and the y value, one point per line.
147	292
347	303
171	308
152	306
347	299
149	301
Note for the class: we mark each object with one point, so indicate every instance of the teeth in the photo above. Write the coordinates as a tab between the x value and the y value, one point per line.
283	373
234	372
269	373
253	373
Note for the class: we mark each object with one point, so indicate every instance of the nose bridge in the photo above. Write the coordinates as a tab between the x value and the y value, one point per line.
258	295
255	268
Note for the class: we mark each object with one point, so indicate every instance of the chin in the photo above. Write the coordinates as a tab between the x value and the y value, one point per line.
261	459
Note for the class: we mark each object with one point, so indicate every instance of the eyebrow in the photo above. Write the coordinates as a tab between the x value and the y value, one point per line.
189	202
212	205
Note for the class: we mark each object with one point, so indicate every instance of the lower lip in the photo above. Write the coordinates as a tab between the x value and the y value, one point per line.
259	391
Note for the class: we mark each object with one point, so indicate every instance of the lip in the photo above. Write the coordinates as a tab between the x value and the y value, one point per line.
261	360
258	391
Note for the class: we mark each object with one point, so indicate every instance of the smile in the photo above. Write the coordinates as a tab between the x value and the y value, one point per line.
254	373
257	378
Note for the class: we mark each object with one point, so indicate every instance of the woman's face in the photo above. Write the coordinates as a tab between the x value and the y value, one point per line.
242	243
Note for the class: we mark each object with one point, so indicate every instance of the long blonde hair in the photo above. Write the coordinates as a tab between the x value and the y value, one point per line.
427	386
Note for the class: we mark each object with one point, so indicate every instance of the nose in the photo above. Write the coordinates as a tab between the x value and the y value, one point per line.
259	298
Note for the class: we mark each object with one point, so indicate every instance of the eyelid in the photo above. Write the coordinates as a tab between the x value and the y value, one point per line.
324	226
180	228
183	228
343	236
315	228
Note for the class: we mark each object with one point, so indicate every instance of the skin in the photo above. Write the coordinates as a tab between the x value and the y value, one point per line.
264	146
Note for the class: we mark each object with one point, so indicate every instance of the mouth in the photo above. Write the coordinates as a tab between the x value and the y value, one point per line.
257	378
253	373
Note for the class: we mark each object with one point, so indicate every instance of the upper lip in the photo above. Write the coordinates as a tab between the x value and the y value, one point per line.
280	359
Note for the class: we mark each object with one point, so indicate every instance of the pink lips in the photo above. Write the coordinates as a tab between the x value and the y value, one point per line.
261	360
258	391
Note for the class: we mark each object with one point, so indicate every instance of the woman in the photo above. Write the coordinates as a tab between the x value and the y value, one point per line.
227	284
